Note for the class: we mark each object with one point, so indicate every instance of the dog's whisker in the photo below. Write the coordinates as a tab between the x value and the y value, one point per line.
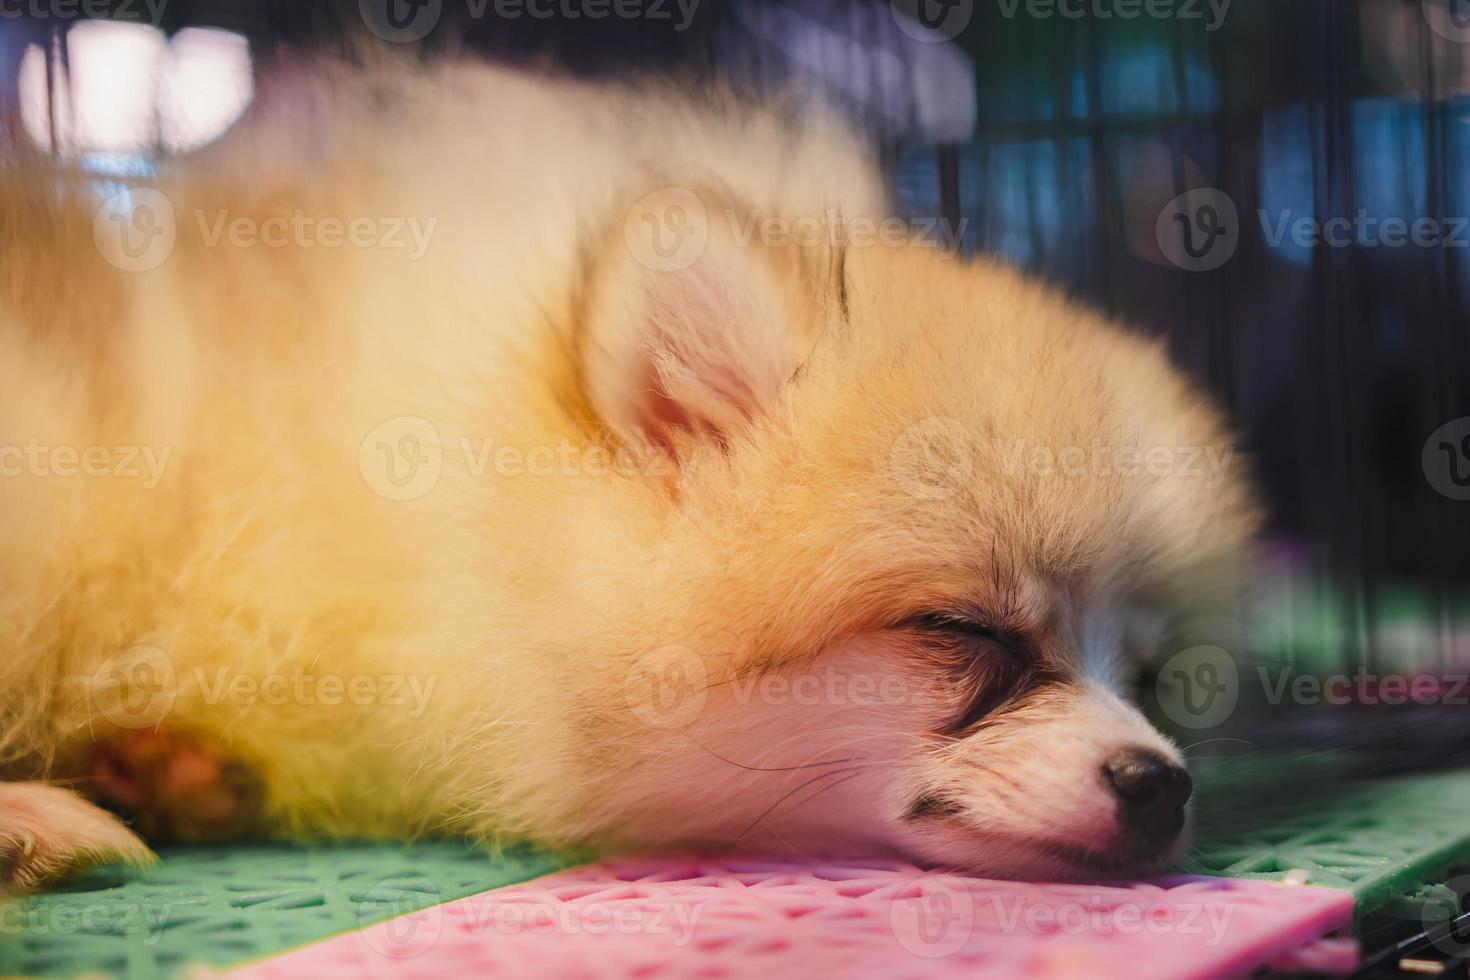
786	796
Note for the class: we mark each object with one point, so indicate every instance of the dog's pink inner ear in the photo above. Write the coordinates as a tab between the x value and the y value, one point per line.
696	353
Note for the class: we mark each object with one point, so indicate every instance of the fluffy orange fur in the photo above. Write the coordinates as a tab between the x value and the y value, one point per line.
770	461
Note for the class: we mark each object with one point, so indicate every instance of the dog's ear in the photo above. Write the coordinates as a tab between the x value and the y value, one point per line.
690	329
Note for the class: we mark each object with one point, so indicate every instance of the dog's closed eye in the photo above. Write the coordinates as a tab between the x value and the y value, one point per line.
989	666
960	628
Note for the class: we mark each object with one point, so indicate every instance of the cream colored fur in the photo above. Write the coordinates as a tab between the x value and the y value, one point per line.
772	525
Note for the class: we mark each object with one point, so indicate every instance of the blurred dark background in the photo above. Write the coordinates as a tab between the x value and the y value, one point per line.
1053	134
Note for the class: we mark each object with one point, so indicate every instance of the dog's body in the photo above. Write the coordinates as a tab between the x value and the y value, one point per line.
512	522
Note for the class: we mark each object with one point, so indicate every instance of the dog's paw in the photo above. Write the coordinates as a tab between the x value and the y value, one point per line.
173	787
48	834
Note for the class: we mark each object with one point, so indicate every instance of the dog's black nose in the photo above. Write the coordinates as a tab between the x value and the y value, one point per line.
1151	792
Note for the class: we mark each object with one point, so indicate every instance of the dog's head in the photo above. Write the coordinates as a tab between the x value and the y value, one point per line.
917	518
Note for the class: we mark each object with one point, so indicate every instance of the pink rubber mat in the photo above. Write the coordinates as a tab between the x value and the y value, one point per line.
692	917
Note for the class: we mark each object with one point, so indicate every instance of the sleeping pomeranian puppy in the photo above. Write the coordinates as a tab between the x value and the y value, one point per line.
474	453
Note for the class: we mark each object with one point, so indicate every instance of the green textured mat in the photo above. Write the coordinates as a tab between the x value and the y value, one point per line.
224	905
1259	815
1382	839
